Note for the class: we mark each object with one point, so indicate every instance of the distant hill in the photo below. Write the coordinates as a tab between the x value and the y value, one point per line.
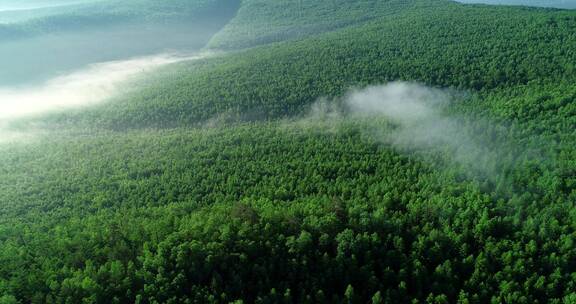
57	39
262	21
76	16
566	4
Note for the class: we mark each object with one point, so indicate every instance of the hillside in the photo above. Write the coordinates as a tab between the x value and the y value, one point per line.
260	22
344	152
282	80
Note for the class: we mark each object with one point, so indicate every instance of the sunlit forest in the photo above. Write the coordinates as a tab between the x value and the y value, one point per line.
275	151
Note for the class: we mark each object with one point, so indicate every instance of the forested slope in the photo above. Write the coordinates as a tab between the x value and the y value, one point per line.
260	22
219	182
477	49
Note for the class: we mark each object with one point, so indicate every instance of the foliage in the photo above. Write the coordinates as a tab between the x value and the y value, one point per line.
260	21
210	184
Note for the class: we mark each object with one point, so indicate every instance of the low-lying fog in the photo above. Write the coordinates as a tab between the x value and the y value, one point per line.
93	84
38	59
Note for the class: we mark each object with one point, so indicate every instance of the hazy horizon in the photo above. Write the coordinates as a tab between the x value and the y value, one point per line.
36	4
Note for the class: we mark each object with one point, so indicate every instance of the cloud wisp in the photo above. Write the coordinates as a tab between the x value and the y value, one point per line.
416	122
420	125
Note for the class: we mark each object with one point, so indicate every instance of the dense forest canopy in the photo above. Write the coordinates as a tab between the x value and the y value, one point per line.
327	151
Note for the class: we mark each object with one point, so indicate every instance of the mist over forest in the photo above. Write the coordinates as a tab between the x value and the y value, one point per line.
287	151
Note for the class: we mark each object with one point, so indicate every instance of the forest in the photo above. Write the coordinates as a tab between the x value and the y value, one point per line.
265	173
